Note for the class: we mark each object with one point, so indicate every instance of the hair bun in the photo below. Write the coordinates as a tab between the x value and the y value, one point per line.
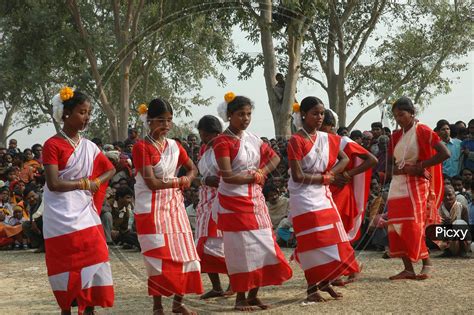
229	97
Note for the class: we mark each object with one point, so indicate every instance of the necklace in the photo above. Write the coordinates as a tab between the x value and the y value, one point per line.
232	134
73	143
159	145
405	149
308	135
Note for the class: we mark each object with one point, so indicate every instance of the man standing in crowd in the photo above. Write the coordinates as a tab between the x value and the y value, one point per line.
451	166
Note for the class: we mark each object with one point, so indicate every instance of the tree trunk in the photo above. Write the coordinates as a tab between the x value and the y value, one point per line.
124	97
269	59
5	126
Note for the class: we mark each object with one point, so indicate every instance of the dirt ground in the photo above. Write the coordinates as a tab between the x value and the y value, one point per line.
25	288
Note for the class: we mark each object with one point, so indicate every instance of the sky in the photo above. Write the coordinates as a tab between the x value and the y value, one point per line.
457	105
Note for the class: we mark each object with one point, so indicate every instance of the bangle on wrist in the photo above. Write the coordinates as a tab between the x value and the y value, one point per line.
346	175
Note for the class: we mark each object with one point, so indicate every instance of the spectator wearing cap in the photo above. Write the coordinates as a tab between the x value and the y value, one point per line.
451	166
33	228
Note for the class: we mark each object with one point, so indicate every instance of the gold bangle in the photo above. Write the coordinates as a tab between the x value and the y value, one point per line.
346	175
98	182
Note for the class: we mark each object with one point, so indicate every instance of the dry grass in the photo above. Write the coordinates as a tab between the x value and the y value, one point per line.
25	288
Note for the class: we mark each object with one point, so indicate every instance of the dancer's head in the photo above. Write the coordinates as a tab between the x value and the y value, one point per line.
312	112
237	110
329	122
159	117
209	127
403	111
77	109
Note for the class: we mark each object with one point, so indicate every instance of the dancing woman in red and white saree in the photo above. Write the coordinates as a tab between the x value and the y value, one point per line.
163	228
210	245
323	248
77	173
416	190
252	256
351	188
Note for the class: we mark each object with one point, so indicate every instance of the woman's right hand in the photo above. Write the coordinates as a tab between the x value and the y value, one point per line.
93	187
212	181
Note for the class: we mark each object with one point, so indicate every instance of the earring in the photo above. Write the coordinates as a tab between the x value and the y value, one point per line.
66	116
302	117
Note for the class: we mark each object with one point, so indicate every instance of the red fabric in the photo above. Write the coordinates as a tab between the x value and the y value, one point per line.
209	263
427	139
312	219
409	241
335	269
102	296
227	146
344	197
267	275
101	165
299	146
56	151
145	153
174	281
72	251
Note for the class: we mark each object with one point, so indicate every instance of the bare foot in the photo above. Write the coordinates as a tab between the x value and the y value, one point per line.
158	311
181	309
329	289
405	274
315	297
338	282
89	310
243	306
257	302
425	272
229	291
211	294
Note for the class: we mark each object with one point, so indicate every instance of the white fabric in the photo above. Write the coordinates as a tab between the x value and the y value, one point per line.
303	197
67	212
191	266
318	256
208	202
406	150
247	159
59	281
358	187
98	275
153	266
259	250
151	241
214	246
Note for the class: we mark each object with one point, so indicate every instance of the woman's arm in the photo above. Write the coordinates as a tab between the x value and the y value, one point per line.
299	176
369	161
55	183
229	177
442	153
341	164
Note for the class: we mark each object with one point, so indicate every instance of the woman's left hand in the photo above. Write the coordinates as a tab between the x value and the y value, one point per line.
340	181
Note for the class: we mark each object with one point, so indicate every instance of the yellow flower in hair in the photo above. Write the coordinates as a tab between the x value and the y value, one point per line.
229	97
296	108
142	109
66	93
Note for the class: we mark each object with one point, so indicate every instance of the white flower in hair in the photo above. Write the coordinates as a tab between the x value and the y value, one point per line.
58	108
336	118
222	112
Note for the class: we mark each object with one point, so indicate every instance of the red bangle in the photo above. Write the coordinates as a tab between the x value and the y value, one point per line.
175	183
326	179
